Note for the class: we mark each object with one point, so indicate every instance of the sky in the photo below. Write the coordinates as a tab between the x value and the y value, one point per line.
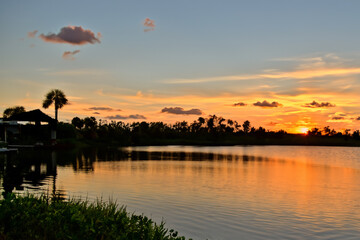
291	65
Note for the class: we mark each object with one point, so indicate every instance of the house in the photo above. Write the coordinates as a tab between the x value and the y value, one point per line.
38	126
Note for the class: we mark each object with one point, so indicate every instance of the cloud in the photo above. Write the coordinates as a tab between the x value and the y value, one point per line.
180	110
68	55
340	117
266	104
149	25
96	113
337	118
74	35
239	104
315	104
273	124
296	74
32	34
119	117
109	109
358	118
322	61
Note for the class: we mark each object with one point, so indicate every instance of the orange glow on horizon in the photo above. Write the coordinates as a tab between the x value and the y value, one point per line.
304	130
299	130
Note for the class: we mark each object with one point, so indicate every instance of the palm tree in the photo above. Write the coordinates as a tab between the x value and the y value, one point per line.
57	97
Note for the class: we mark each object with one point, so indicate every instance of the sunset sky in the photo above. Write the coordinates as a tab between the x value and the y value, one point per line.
289	65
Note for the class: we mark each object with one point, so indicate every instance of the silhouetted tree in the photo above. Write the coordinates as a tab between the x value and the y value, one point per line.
252	130
356	134
314	132
57	97
237	126
181	127
327	131
347	132
221	126
77	122
260	132
229	128
201	120
246	126
211	123
13	111
90	122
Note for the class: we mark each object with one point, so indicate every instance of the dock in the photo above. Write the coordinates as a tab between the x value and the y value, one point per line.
6	150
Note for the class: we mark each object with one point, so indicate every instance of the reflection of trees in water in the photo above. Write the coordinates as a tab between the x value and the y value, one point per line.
31	168
189	156
122	155
34	169
81	160
11	173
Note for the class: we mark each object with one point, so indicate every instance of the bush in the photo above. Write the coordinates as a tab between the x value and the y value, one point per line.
33	217
65	130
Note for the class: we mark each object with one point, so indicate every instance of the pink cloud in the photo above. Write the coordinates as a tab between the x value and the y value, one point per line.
74	35
32	34
120	117
239	104
266	104
68	55
315	104
180	110
149	25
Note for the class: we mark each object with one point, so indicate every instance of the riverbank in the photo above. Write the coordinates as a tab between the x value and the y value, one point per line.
30	217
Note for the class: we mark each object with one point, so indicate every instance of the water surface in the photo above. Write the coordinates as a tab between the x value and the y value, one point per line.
260	192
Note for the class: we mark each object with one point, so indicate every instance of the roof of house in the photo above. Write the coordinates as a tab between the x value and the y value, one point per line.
32	116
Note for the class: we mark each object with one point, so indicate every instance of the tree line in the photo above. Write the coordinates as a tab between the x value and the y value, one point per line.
211	129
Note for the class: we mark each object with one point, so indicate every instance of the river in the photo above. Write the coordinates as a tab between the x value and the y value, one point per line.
237	192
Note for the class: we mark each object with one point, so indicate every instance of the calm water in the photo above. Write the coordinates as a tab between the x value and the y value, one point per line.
209	192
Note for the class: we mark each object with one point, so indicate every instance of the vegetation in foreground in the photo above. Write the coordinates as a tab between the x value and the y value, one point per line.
30	217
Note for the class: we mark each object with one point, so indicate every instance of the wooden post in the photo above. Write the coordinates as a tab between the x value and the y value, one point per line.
5	133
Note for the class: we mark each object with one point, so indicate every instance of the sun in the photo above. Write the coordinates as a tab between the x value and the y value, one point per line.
303	130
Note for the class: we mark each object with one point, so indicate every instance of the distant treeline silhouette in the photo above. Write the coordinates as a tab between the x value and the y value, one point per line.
212	130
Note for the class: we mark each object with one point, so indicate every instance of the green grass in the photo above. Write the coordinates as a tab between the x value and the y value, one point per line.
30	217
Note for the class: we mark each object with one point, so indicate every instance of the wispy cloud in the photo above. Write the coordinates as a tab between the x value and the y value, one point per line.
108	109
296	74
120	117
74	35
315	104
149	25
266	104
326	58
181	111
76	72
272	124
32	34
68	55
